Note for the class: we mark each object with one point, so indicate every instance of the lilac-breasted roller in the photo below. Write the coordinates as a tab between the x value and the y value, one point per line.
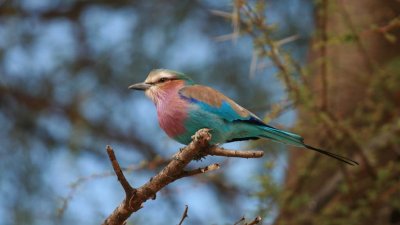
184	107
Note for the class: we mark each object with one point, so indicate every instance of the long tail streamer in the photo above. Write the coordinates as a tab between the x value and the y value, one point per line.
338	157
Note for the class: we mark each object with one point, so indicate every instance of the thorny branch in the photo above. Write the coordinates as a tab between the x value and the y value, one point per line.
135	198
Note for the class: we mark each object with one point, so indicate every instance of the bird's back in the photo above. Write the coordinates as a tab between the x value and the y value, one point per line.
209	108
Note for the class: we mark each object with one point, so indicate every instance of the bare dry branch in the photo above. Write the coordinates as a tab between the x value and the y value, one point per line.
117	169
215	150
239	221
253	222
184	215
206	169
257	220
135	198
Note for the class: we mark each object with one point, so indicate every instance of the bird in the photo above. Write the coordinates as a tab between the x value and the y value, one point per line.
184	107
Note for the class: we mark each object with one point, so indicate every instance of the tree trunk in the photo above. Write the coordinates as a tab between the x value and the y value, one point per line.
355	64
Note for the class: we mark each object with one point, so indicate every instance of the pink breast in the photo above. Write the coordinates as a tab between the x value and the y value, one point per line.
171	119
171	116
171	109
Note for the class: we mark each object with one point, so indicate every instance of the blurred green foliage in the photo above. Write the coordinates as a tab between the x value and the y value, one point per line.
349	94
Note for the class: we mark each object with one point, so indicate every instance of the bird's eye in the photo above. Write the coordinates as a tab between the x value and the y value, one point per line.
162	80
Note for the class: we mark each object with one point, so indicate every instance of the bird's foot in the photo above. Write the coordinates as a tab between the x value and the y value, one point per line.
199	156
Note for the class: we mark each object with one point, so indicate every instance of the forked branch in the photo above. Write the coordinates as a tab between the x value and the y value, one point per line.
175	169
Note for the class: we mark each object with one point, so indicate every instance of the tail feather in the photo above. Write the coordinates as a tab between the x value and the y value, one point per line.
333	155
282	136
296	140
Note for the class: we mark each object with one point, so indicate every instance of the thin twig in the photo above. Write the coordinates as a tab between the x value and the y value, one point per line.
184	215
239	221
206	169
271	49
215	150
150	165
117	169
257	220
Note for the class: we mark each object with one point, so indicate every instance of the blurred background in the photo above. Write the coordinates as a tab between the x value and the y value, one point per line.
327	70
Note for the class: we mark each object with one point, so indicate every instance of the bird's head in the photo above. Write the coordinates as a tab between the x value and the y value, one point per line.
160	81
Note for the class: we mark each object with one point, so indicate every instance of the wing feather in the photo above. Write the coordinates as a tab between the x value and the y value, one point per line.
215	102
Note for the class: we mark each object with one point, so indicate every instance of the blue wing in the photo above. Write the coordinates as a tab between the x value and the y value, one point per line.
217	103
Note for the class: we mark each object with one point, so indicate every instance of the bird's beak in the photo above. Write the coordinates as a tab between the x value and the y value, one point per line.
140	86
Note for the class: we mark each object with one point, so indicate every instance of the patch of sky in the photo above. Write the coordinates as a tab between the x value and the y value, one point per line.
118	116
243	45
60	171
38	5
200	200
87	142
153	40
6	125
108	29
161	211
298	9
88	193
240	171
127	156
55	125
191	48
8	184
62	83
51	47
31	162
168	145
275	15
288	118
227	4
93	109
17	62
279	171
54	46
94	102
5	216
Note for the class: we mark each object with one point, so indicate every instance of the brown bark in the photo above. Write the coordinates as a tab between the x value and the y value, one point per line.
347	56
135	198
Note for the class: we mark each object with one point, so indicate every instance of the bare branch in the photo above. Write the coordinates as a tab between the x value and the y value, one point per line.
257	220
184	215
206	169
223	14
215	150
239	221
117	169
135	198
169	174
253	222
